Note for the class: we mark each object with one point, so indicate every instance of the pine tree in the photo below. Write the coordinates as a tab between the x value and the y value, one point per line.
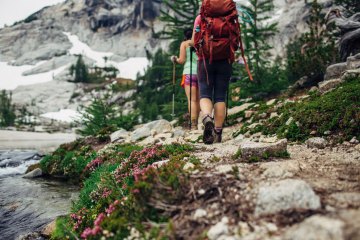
313	51
80	71
256	36
181	15
7	109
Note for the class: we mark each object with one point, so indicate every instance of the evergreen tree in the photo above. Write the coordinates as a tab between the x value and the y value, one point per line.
313	51
351	6
154	91
102	118
181	15
80	71
256	36
7	109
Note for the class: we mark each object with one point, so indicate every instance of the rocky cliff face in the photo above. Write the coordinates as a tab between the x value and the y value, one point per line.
123	27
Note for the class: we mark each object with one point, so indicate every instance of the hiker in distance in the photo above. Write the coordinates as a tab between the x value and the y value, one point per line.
216	37
189	78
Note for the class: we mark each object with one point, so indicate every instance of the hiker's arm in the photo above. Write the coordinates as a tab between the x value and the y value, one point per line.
182	57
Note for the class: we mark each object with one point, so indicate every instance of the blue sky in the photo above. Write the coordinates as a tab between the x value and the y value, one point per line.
16	10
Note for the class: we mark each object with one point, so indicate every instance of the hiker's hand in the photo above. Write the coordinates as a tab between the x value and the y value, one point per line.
173	59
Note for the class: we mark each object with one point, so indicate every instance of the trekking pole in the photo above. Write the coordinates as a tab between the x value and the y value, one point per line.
173	95
191	59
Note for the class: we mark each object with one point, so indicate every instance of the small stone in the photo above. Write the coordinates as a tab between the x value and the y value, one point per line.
188	166
244	228
201	192
274	114
263	115
316	142
251	149
34	173
224	168
200	213
271	227
248	114
271	102
316	227
314	89
49	229
289	121
327	132
313	132
219	229
237	109
326	86
354	141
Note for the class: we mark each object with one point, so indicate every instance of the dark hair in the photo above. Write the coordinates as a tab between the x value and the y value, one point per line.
188	34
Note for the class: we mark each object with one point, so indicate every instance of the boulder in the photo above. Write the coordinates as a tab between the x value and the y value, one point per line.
316	228
316	142
179	132
326	86
285	195
159	126
119	135
251	149
34	173
140	133
237	109
353	62
344	199
335	71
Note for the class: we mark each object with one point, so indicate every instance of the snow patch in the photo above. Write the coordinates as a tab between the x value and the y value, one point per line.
11	76
64	115
127	69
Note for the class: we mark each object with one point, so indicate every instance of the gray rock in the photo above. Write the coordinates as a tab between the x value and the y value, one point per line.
285	195
237	109
353	62
271	102
51	65
352	220
335	71
118	135
326	86
178	132
251	149
159	126
140	133
354	140
314	89
289	121
344	199
316	142
316	228
200	213
34	173
219	229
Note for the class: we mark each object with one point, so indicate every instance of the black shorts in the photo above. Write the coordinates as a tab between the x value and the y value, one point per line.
214	84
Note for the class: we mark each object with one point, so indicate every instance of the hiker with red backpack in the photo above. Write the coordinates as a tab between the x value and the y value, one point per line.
216	37
189	79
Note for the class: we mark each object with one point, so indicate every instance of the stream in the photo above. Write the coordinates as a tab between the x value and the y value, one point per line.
27	205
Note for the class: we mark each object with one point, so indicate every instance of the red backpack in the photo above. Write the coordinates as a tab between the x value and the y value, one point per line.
219	34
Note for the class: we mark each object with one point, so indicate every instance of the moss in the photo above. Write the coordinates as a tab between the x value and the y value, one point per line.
337	111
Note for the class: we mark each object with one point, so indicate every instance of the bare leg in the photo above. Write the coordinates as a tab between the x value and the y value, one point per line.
195	109
220	108
206	106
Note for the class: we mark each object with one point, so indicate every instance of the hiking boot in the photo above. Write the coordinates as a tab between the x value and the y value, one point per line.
208	136
217	136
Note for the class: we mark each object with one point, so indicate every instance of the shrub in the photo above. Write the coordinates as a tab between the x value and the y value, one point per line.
7	109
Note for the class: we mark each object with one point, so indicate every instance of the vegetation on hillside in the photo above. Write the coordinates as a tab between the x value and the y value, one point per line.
7	109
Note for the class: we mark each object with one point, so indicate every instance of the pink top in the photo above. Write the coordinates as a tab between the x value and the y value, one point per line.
197	23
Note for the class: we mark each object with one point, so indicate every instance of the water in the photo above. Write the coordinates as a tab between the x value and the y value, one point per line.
27	205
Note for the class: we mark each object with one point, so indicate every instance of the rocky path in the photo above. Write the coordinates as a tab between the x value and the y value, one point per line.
313	194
